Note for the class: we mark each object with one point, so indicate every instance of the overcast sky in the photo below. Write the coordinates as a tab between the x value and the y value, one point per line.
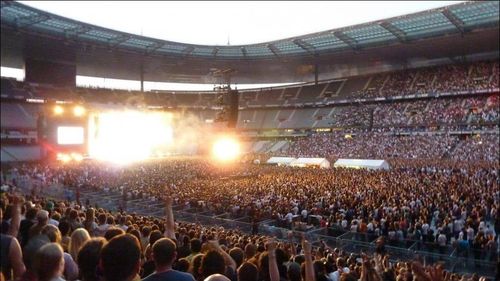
214	23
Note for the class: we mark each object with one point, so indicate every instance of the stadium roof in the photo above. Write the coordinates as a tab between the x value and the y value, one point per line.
455	19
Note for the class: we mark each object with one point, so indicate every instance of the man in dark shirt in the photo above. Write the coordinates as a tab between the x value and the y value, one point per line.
26	224
185	249
164	255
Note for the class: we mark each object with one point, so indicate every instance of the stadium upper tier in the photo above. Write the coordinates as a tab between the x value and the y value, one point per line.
449	96
454	19
397	85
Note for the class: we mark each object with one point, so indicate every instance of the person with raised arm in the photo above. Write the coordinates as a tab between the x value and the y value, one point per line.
17	202
274	273
368	272
11	264
306	247
169	219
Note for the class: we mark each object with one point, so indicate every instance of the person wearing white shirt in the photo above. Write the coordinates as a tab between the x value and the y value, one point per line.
341	268
304	215
441	239
53	222
470	234
354	226
344	223
370	227
425	229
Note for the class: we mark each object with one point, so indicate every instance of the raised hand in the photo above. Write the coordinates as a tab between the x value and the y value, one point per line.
418	270
306	246
271	245
168	201
436	273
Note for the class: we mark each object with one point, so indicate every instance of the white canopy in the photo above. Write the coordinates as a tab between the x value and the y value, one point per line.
304	162
362	163
281	160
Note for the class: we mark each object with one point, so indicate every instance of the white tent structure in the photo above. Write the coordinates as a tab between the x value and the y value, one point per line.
280	160
310	162
362	164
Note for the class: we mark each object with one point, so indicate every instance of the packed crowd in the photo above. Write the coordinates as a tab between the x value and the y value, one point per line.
59	240
438	112
465	112
375	145
438	79
406	198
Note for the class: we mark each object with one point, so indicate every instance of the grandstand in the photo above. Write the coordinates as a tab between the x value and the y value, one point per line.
420	91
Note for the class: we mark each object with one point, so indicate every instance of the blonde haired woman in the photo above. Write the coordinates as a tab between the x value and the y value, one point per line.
78	238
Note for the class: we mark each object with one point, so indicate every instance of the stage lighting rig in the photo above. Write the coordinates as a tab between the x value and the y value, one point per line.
58	110
79	111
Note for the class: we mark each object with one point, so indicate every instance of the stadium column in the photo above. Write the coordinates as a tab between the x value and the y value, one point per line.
41	125
142	76
316	72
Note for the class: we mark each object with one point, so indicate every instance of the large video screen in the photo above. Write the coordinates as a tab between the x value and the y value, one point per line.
70	135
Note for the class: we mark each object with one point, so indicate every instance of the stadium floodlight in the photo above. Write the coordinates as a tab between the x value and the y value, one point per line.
79	111
58	110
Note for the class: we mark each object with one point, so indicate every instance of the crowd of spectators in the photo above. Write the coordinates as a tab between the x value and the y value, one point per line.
444	112
60	240
477	148
343	197
375	145
437	79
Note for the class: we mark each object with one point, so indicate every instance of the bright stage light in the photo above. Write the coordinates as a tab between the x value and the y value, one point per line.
65	158
124	137
77	157
58	110
226	149
79	111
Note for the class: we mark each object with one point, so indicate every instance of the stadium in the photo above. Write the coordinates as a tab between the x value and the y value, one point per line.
368	151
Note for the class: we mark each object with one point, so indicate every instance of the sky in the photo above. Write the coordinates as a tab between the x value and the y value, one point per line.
233	22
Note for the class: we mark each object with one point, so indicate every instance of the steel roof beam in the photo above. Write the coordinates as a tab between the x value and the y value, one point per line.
153	47
30	20
346	39
244	51
273	49
304	45
81	29
215	51
458	23
188	50
400	34
118	40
